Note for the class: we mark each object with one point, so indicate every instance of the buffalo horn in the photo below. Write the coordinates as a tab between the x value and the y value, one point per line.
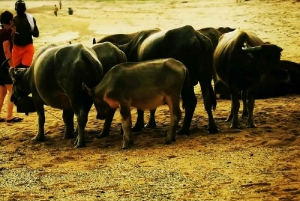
256	48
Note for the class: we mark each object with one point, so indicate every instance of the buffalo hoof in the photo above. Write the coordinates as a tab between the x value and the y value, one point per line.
80	145
102	135
183	131
228	119
212	130
69	136
251	125
245	116
38	138
236	126
137	128
169	140
150	125
126	145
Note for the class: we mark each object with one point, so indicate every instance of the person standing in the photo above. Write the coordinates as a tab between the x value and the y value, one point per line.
55	10
6	19
26	28
60	5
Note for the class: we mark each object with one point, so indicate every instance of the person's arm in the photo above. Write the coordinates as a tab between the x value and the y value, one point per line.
35	33
7	52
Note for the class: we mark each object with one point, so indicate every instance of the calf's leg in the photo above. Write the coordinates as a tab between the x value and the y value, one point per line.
126	125
175	115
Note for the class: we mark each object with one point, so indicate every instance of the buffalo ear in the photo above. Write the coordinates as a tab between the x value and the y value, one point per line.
86	89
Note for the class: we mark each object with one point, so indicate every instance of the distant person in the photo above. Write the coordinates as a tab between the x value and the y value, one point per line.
60	5
6	31
55	10
70	11
26	28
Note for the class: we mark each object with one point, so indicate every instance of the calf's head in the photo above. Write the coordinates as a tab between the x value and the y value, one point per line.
101	106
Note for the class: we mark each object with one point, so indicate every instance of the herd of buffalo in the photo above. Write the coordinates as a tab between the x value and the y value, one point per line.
149	68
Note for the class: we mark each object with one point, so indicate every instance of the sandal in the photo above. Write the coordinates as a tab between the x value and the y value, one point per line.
14	119
2	120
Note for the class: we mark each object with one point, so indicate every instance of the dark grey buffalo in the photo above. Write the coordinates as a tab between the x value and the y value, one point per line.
119	39
240	61
190	47
273	84
55	79
143	85
109	55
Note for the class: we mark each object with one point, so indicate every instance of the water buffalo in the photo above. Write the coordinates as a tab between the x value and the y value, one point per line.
191	48
214	35
109	55
118	39
55	79
273	84
241	67
143	85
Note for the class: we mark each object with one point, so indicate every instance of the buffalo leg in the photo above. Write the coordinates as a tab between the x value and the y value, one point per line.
151	122
81	112
41	120
207	93
139	124
175	115
244	94
107	123
68	117
126	126
235	106
250	107
189	103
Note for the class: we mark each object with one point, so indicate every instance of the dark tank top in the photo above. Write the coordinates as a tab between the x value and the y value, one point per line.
23	35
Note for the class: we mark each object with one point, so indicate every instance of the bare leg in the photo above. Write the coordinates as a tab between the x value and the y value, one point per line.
3	92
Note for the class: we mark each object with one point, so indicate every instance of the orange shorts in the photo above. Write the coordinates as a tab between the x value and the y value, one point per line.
22	55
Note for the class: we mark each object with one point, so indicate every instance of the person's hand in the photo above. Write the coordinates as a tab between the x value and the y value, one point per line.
13	30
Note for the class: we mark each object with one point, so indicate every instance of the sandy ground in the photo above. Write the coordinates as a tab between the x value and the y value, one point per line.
249	164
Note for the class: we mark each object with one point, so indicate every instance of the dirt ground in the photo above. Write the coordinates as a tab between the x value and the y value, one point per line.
262	163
